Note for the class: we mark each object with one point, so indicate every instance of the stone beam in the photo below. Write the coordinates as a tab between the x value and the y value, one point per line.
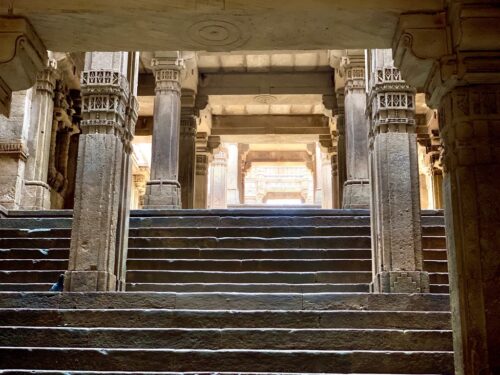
266	83
22	56
270	124
199	24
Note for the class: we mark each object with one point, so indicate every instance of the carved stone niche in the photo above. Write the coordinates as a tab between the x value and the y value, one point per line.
64	146
22	56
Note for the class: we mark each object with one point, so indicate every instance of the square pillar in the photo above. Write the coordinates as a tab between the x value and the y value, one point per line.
395	193
36	194
218	180
13	150
95	261
201	181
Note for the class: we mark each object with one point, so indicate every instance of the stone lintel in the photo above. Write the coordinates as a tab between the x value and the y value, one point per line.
22	56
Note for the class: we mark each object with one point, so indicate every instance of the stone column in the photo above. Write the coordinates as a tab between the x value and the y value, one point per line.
13	150
22	56
395	193
95	237
318	176
356	188
218	180
36	194
454	58
341	152
164	190
326	173
233	193
335	182
187	160
201	182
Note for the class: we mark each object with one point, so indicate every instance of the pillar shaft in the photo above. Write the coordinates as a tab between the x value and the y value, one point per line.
187	156
218	180
335	182
326	173
36	194
356	188
470	121
164	190
395	193
233	193
201	181
454	58
95	260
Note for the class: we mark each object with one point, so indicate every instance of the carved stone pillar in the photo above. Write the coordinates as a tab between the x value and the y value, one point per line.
395	193
13	151
218	180
233	166
326	173
318	175
96	262
341	152
455	58
201	183
187	160
164	189
356	188
36	194
22	56
335	182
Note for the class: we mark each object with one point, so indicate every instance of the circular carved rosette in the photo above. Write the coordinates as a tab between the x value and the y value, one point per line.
218	32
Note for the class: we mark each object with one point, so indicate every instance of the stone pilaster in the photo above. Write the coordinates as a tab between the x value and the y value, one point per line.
454	57
217	194
395	193
36	194
233	166
341	151
22	56
13	150
335	182
356	188
96	262
326	173
187	159
164	189
201	183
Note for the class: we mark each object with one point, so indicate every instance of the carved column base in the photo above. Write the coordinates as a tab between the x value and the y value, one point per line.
401	282
356	194
162	195
89	281
36	196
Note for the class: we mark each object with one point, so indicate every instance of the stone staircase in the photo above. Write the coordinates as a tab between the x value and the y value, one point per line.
222	292
242	250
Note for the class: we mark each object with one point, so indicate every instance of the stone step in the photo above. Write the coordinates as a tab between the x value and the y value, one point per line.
56	372
30	276
231	265
235	253
222	301
25	287
254	242
439	288
166	318
433	242
247	288
438	277
436	265
228	338
34	243
34	253
335	277
33	264
227	360
435	254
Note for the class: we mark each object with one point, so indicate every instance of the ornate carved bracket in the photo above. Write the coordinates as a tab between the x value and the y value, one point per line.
22	56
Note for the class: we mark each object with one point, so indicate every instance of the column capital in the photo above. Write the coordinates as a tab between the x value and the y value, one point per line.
105	99
188	126
46	79
22	56
439	51
167	68
391	102
353	65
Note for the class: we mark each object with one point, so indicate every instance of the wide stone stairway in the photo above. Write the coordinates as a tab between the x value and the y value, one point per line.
229	291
